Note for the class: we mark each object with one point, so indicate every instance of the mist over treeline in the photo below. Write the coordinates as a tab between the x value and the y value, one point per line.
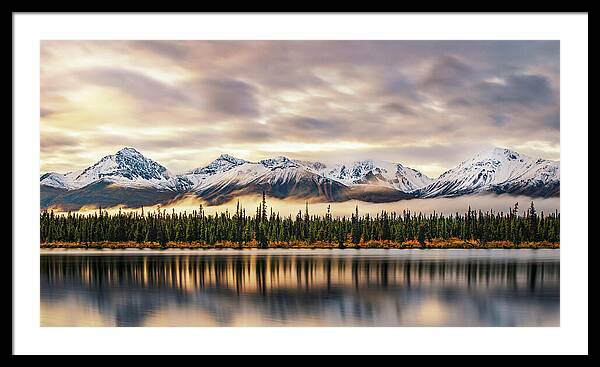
263	227
285	207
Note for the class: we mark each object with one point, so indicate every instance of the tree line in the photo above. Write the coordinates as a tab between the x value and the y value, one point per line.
263	227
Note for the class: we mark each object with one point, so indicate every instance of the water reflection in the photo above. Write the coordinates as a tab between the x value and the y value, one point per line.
302	288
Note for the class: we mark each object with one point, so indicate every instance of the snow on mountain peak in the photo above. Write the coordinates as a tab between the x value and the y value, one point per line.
498	153
372	172
127	166
57	180
223	163
279	162
231	159
129	151
496	170
493	168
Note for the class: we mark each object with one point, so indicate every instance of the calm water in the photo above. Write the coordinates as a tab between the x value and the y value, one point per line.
300	288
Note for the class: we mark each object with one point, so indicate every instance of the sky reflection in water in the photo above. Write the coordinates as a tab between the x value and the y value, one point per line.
301	288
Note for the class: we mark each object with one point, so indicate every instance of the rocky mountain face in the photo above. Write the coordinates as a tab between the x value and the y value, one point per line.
369	172
127	167
497	170
128	178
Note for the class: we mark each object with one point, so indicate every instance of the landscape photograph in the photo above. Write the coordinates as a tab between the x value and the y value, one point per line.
289	183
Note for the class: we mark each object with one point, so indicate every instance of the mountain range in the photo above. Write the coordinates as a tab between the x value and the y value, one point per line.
129	178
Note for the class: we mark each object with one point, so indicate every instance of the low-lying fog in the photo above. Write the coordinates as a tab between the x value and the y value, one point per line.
439	205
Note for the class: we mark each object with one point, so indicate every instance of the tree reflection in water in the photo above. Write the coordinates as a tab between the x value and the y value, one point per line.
308	288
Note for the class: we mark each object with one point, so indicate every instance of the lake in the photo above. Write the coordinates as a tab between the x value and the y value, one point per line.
278	287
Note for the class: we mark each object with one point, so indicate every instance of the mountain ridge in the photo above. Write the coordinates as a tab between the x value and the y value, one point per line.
497	170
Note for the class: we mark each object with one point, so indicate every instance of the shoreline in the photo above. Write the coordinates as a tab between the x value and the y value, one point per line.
433	244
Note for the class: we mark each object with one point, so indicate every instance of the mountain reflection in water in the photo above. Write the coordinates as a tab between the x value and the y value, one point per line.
301	288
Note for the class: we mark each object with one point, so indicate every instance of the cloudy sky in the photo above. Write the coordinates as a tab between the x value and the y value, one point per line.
425	104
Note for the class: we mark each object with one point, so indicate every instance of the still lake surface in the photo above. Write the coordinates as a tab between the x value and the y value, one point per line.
367	287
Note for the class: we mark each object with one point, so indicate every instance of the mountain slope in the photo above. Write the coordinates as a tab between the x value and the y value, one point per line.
104	194
380	173
127	167
279	177
497	170
128	178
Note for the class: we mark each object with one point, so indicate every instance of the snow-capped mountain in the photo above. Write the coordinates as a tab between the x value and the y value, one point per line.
129	178
284	177
222	164
57	180
370	172
127	167
279	177
497	170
